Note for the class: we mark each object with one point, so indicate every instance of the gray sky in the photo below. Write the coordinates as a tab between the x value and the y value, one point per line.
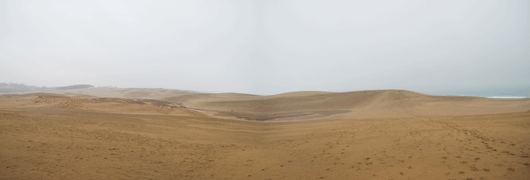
267	47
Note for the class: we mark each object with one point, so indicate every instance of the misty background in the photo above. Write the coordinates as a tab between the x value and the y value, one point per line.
270	47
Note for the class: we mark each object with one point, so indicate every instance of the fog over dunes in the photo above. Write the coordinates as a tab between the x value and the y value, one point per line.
14	87
258	89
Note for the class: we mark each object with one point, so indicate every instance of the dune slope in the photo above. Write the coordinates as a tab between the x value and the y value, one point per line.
360	104
49	136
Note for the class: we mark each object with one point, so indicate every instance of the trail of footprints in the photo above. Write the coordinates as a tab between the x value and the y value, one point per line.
490	146
471	147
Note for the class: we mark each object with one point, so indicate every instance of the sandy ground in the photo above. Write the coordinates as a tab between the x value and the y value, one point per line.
386	135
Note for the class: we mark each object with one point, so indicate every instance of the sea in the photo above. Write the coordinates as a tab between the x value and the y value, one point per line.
492	92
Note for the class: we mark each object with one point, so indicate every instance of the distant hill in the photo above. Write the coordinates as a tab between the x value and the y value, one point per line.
77	86
14	87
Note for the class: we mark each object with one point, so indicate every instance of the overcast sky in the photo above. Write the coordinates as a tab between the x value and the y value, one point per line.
267	47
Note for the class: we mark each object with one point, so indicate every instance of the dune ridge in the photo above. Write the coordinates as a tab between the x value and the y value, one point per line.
383	134
297	105
364	104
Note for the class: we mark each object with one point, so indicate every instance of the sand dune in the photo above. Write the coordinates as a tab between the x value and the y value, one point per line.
133	93
386	134
109	105
360	104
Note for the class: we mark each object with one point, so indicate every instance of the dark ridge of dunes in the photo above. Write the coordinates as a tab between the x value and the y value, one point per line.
40	94
136	94
258	116
186	98
208	97
265	117
77	86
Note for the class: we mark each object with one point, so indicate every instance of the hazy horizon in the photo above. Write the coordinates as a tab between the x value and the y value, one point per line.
499	92
270	47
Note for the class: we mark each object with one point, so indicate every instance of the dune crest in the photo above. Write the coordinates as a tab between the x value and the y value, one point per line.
360	104
305	104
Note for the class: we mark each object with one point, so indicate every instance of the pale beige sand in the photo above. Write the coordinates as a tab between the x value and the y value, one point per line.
387	135
362	104
135	93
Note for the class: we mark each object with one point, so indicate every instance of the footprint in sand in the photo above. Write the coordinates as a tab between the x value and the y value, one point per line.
473	168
